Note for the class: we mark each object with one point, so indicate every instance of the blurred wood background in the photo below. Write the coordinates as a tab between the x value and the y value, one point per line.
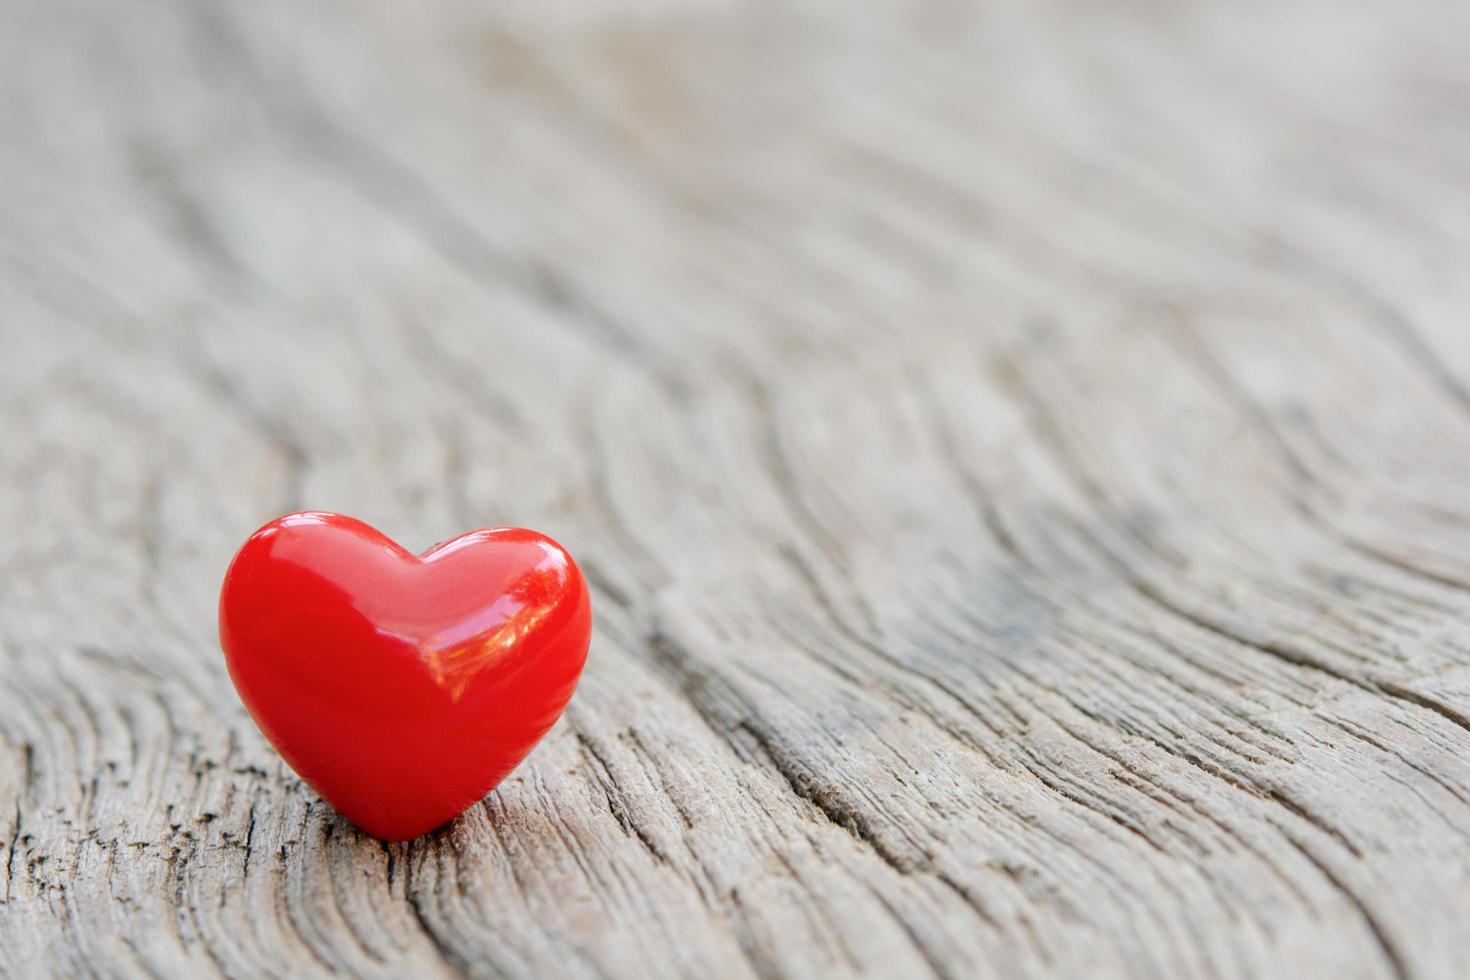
1020	449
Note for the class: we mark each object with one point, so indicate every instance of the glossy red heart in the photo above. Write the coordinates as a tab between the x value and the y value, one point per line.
402	688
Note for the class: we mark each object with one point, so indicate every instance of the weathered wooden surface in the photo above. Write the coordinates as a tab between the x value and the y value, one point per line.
1020	448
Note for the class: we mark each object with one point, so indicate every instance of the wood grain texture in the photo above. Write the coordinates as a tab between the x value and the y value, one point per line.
1020	450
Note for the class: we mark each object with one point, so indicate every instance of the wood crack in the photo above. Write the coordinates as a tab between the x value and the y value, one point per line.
608	784
425	919
1381	935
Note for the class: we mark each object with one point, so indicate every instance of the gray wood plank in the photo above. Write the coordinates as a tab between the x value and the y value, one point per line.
1018	449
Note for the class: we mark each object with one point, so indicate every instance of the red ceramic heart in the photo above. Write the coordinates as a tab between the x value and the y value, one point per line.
402	688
